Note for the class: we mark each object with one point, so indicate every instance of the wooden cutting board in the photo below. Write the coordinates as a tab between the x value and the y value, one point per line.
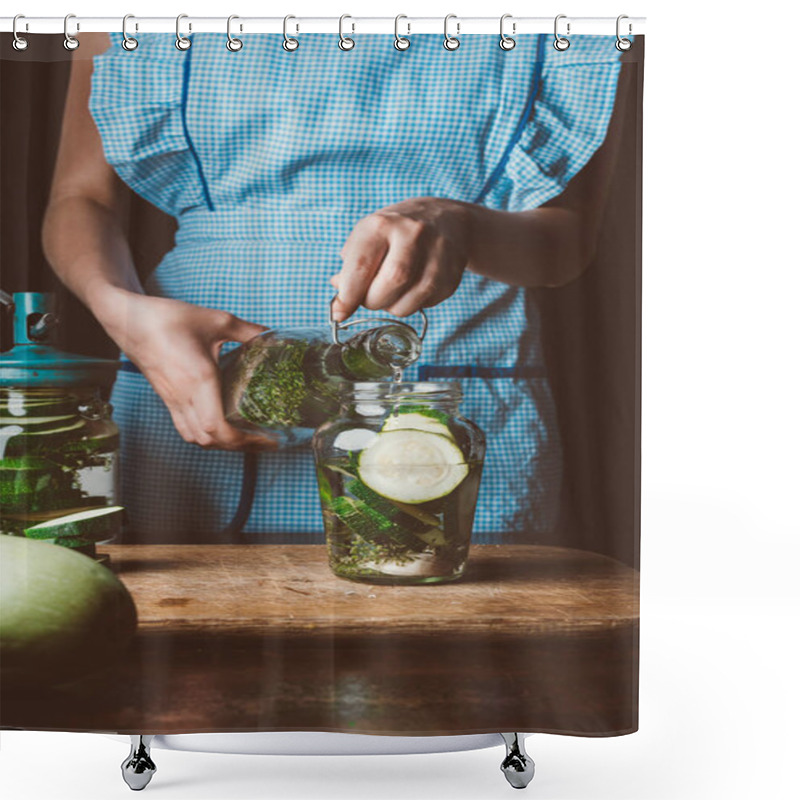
265	637
250	589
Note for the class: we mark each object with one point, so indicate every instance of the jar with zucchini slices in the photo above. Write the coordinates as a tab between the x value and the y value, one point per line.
58	444
398	474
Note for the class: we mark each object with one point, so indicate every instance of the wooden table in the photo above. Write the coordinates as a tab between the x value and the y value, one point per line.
265	637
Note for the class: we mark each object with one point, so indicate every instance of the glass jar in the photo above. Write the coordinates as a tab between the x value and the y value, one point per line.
286	382
398	474
58	456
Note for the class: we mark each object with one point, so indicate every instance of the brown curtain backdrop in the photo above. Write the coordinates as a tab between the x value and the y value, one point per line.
590	328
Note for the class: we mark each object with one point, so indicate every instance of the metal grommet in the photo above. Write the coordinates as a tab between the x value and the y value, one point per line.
623	44
506	42
346	43
70	42
561	43
18	43
451	42
289	43
401	42
233	44
181	42
128	42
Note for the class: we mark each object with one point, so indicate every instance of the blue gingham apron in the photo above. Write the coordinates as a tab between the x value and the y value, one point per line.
269	158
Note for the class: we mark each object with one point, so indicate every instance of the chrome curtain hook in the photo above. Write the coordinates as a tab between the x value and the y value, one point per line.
181	42
233	44
506	42
561	43
451	42
623	44
290	44
346	42
18	43
401	42
128	42
70	42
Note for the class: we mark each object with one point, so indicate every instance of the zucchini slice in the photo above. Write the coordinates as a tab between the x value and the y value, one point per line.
412	466
418	418
31	420
417	422
95	525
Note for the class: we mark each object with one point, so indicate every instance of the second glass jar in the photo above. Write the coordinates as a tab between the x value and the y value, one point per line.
398	474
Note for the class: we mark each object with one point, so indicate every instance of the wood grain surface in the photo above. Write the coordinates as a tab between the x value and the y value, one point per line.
290	588
265	637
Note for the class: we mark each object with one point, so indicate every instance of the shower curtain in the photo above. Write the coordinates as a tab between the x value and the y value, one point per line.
174	202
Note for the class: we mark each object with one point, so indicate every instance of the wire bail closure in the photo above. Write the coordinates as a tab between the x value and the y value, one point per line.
340	326
290	44
623	44
233	44
451	42
70	42
561	43
181	42
18	43
401	42
507	42
128	42
346	43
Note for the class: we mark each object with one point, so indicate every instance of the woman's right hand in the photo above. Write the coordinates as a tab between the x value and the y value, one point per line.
176	346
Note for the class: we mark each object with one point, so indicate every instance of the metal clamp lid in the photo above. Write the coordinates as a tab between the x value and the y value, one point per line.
33	361
340	326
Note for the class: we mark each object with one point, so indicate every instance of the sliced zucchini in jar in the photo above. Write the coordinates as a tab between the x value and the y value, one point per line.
418	418
35	423
29	483
412	466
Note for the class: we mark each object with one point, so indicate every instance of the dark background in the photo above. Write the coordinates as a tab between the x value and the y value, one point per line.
590	328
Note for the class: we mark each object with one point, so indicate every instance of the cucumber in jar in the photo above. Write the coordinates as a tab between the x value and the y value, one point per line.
419	418
32	483
412	466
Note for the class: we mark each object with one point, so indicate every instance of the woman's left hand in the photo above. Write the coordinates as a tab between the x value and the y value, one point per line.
403	257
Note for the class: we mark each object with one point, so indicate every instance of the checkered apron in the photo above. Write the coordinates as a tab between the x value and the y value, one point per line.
267	159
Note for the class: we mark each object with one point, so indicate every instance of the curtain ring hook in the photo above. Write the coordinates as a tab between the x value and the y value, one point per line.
507	42
401	42
70	42
128	42
451	42
233	44
346	42
181	42
18	43
561	43
623	44
290	44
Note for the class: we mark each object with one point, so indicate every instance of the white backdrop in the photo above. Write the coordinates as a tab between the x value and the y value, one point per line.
720	545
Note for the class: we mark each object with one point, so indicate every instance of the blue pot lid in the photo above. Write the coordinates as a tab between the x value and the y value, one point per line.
41	365
34	361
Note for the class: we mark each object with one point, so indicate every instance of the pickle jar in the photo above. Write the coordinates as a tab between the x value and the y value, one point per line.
59	446
398	473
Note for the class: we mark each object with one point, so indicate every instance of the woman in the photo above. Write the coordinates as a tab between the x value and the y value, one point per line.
407	180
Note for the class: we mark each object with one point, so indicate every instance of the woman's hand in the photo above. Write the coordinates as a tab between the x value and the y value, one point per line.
404	257
176	346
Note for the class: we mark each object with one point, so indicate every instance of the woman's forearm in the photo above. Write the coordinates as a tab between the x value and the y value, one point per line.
536	248
88	250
